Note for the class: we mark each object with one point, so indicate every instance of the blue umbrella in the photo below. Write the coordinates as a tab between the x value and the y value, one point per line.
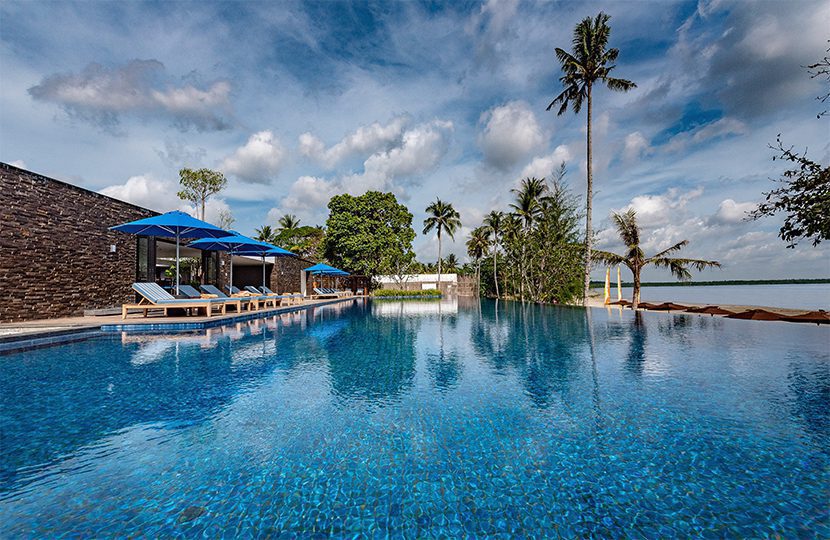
276	251
237	244
324	269
174	224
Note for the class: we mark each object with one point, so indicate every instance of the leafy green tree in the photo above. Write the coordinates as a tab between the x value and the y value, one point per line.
305	241
804	198
477	246
450	263
527	208
197	186
370	235
493	222
589	62
225	220
443	218
635	259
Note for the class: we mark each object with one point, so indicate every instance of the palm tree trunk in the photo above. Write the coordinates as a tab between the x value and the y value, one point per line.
439	260
589	207
203	209
635	296
495	274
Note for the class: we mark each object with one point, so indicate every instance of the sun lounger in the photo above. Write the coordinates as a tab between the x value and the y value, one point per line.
191	292
294	298
324	293
251	302
154	297
261	298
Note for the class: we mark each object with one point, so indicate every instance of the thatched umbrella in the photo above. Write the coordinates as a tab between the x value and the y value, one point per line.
710	310
670	306
646	305
817	317
756	315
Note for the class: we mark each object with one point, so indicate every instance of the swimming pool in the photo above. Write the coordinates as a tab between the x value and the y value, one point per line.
423	418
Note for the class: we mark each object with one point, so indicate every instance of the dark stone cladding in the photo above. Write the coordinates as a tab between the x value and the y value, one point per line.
55	255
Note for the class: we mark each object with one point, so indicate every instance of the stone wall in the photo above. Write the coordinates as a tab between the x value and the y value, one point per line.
55	249
285	276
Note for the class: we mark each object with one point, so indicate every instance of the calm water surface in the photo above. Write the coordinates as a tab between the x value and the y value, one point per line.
424	419
796	296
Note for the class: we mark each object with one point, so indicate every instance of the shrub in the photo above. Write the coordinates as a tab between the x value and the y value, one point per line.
412	294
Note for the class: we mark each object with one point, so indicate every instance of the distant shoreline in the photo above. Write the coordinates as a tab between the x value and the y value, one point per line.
600	284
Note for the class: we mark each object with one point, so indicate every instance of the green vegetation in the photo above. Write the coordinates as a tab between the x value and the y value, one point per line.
443	218
369	235
635	259
380	293
590	62
538	244
477	247
199	185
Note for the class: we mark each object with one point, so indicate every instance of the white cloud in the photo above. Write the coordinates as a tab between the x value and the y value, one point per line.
307	198
19	163
258	160
100	94
420	150
543	166
161	196
635	146
657	210
511	132
364	140
730	211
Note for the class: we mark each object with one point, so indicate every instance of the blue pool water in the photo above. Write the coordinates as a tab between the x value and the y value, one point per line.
423	418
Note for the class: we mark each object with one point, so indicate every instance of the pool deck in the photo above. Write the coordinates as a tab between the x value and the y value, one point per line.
29	330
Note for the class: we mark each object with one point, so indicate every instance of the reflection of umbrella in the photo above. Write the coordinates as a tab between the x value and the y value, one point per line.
670	306
818	317
174	224
276	252
756	315
236	244
710	310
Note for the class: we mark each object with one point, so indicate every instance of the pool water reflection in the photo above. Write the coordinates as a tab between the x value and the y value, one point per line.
424	418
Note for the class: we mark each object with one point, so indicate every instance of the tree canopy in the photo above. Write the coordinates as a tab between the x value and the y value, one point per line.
370	234
199	185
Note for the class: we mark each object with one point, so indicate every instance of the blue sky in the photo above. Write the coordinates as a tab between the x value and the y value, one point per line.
297	101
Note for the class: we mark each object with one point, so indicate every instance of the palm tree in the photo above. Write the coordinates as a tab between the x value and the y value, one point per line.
288	222
527	208
511	237
635	259
451	263
590	62
476	248
264	234
493	222
442	217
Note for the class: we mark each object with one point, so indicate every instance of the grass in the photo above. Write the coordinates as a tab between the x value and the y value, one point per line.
381	293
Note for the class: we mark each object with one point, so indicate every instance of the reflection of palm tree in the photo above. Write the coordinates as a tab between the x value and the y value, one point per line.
445	369
636	346
635	259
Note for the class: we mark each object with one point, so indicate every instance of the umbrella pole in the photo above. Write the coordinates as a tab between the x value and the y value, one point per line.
177	263
263	272
230	285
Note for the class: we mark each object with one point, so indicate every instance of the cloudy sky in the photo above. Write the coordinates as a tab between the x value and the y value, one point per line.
295	102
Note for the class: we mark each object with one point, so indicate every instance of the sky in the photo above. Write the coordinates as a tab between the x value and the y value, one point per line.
298	101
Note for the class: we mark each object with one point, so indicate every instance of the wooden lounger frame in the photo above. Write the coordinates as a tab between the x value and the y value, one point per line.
145	305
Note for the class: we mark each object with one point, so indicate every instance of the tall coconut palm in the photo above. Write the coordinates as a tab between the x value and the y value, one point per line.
264	233
589	63
527	207
477	246
493	221
288	222
511	238
450	263
443	218
635	259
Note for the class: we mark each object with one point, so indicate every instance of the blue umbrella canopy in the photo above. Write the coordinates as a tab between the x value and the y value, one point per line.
175	224
239	244
321	269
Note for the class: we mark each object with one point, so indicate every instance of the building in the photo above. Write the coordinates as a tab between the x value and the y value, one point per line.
58	257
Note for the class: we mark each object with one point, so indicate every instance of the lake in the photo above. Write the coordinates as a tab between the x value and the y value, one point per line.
807	296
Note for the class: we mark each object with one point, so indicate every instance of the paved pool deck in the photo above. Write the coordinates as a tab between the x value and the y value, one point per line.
48	328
